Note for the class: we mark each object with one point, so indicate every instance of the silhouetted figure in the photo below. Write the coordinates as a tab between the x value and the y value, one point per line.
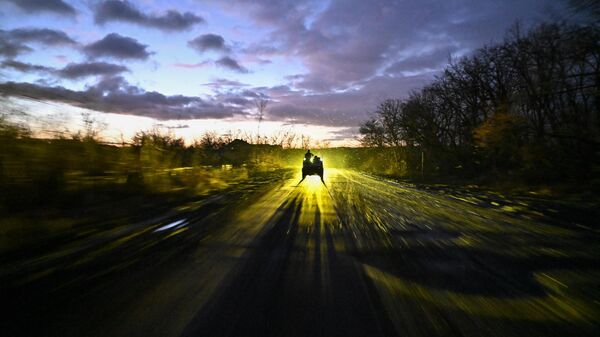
308	156
318	165
312	167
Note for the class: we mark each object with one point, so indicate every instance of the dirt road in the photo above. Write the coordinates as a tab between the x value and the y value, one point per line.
358	257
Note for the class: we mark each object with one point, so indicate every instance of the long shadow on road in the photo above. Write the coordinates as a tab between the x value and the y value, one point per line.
293	282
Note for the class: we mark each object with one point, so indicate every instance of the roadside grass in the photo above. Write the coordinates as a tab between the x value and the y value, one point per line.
88	205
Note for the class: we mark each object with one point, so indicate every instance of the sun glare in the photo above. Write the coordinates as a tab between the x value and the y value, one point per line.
313	184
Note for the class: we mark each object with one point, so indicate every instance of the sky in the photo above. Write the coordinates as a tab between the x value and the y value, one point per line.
193	66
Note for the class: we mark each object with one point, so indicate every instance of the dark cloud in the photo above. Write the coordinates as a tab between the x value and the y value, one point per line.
280	89
349	41
343	134
33	6
239	101
25	67
208	42
113	10
49	37
115	84
115	95
357	53
116	46
71	71
231	64
253	94
348	108
11	49
12	42
240	98
78	70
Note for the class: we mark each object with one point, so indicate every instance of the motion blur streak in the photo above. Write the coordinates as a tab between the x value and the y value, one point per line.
360	256
179	223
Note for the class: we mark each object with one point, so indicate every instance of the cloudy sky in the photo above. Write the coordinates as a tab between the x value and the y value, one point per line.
198	65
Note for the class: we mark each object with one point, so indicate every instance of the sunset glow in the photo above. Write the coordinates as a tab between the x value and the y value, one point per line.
322	65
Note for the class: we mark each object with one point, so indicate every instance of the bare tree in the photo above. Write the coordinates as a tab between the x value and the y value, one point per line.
590	8
92	127
536	93
288	139
261	107
211	141
372	133
305	141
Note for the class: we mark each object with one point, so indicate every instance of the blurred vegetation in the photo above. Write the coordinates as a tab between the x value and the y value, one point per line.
38	173
53	187
525	111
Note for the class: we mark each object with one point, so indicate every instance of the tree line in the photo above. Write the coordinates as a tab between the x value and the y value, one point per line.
526	108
